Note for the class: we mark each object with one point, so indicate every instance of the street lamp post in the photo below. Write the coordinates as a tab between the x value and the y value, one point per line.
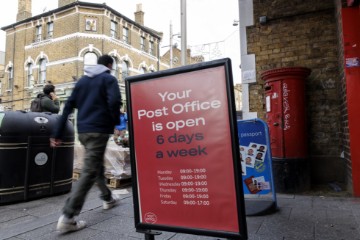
183	33
171	44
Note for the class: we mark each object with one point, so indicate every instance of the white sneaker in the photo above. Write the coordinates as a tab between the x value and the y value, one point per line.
65	224
110	204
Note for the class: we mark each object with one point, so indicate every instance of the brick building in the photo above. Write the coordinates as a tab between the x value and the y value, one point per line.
56	45
307	34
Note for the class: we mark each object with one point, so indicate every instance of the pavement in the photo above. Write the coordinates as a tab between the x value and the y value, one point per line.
311	216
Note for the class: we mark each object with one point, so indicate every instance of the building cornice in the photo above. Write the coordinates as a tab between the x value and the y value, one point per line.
92	36
89	5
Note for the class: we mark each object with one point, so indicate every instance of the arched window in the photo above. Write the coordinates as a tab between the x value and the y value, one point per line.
29	74
42	71
115	70
142	70
90	59
10	78
125	70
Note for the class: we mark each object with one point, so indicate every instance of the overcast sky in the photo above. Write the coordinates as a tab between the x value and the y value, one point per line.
209	23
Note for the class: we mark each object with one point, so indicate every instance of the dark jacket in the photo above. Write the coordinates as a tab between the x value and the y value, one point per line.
97	97
48	105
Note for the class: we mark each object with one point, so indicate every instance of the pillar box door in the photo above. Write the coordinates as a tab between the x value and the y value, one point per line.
274	117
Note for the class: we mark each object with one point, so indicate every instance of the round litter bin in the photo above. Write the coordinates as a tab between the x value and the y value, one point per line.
29	167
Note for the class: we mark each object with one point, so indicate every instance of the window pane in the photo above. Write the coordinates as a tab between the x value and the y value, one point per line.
142	43
151	48
90	58
114	70
42	71
113	29
126	35
38	33
50	29
29	74
10	80
125	70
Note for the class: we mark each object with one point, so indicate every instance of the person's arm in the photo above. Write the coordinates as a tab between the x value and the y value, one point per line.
114	99
57	134
49	105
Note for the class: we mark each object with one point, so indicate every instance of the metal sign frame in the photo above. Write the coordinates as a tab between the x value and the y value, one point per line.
140	99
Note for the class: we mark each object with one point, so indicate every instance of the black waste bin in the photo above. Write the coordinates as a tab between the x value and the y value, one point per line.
29	167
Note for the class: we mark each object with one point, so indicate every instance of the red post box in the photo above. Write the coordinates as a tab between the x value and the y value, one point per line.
286	117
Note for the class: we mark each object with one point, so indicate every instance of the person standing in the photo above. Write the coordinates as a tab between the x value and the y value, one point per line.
47	101
120	132
97	98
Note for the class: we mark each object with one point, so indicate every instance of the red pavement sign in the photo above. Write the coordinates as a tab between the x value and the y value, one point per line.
184	151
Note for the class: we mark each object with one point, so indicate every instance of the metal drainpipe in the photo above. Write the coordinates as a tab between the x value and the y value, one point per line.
13	71
77	62
158	55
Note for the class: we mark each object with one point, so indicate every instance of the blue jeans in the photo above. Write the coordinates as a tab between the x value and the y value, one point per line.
92	171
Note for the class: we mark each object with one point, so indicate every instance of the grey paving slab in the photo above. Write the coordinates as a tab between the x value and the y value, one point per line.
254	224
309	214
287	228
10	214
85	233
14	229
304	217
336	231
23	220
189	236
118	225
114	236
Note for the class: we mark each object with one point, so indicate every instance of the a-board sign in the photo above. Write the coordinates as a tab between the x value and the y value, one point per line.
184	151
255	155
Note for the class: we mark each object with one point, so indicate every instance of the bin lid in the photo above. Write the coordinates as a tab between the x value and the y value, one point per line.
22	123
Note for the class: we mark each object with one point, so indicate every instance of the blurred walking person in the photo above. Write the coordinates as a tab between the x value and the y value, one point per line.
97	98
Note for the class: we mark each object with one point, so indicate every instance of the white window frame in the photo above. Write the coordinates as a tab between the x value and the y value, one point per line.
113	29
38	34
90	61
10	78
42	71
125	36
151	48
50	29
142	43
124	70
115	68
29	74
